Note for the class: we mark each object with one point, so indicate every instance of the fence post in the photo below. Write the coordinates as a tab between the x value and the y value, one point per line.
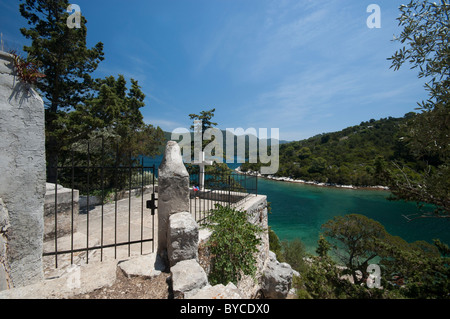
173	192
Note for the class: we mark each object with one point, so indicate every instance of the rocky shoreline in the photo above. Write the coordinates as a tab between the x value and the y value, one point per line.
313	183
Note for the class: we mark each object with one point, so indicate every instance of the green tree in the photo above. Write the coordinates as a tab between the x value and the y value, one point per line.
416	270
113	115
318	165
293	253
323	246
354	239
304	153
63	57
205	117
220	171
426	37
413	270
117	109
275	244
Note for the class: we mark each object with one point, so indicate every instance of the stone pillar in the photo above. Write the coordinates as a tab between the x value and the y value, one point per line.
173	192
22	174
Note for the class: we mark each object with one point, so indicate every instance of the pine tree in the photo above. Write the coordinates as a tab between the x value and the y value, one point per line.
67	63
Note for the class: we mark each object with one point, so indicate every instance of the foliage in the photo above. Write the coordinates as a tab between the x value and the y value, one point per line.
218	176
275	244
109	125
323	246
114	113
27	71
409	270
233	245
443	248
347	157
78	108
205	118
425	39
354	239
318	281
293	253
426	33
63	57
323	279
416	269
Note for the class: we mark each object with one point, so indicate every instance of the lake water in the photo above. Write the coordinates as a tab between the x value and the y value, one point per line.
299	211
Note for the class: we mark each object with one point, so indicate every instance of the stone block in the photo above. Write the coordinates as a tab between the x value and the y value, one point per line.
148	266
230	291
187	278
277	278
182	238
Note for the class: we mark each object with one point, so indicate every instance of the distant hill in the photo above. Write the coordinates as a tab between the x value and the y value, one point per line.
167	136
348	157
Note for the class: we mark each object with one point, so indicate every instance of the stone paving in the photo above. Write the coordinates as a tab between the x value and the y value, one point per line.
121	223
126	220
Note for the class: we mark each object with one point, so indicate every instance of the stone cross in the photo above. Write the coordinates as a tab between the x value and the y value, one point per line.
202	163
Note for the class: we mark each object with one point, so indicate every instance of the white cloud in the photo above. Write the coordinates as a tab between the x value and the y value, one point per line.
166	125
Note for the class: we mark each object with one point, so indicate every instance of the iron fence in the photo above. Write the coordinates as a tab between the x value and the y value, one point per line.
226	188
103	201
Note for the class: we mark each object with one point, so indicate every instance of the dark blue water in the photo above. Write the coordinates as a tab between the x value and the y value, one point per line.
299	211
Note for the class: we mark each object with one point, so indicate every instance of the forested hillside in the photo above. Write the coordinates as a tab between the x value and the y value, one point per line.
353	156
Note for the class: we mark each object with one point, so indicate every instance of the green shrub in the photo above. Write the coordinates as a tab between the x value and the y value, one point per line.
293	253
233	245
275	244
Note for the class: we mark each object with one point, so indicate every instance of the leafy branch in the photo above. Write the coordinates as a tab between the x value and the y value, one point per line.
27	71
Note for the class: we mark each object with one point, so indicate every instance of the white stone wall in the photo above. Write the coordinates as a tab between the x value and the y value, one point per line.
22	173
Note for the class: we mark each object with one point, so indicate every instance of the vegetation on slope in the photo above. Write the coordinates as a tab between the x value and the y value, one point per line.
352	156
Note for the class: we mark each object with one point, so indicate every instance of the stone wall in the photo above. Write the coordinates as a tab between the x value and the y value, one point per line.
4	266
67	200
22	175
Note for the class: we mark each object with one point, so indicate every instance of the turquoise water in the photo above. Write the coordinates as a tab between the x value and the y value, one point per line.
299	211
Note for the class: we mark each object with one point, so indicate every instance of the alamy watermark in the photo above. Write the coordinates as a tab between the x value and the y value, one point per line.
258	146
374	278
74	19
374	20
74	277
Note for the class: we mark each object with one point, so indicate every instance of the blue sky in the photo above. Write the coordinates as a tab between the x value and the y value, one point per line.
305	67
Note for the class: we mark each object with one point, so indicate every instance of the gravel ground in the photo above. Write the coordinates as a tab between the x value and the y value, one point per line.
132	288
141	287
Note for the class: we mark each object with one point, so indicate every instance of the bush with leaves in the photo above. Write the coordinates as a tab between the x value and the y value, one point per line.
275	244
233	245
411	270
293	253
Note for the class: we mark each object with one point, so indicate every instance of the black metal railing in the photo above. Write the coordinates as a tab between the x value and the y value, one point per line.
225	188
94	178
